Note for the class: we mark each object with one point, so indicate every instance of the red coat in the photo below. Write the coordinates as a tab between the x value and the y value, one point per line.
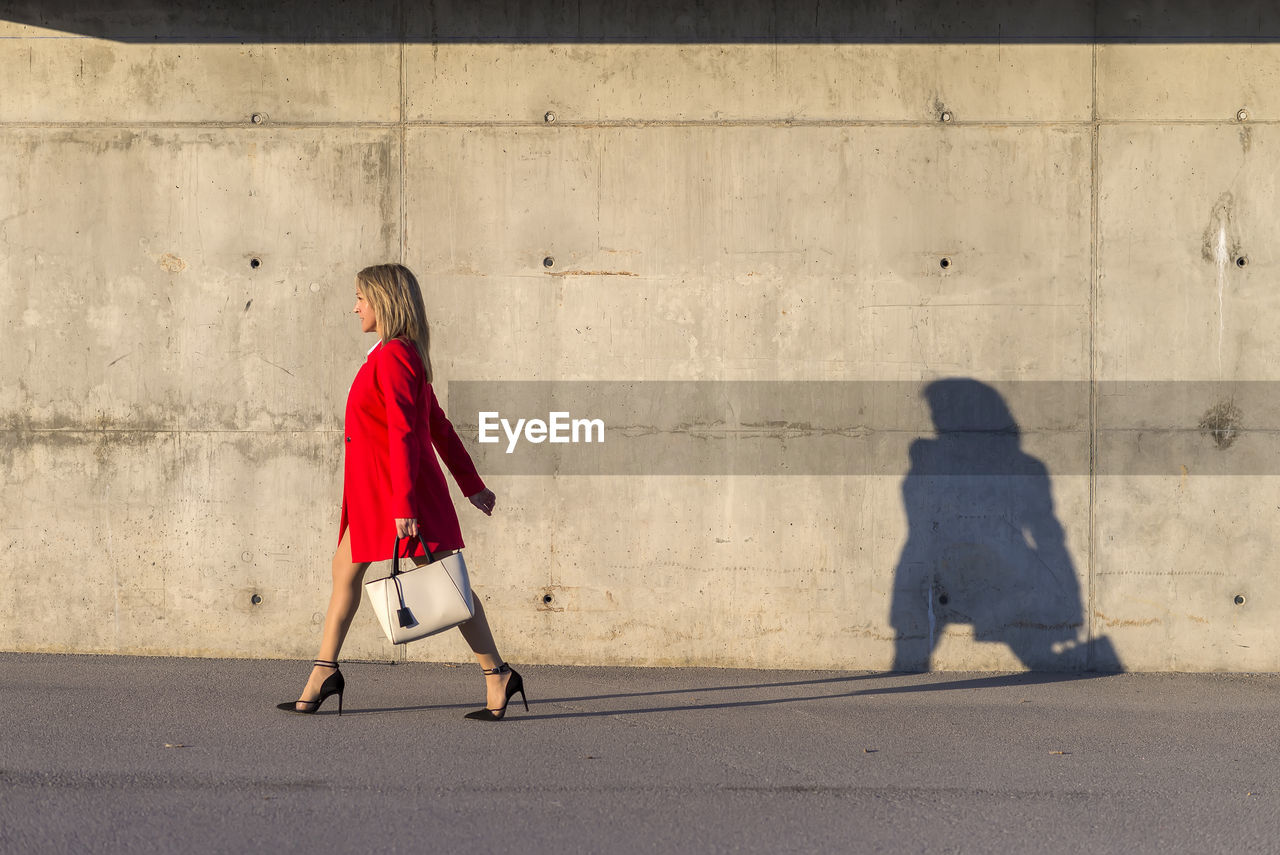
394	427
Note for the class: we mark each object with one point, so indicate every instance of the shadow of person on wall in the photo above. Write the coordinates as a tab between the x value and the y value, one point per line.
984	546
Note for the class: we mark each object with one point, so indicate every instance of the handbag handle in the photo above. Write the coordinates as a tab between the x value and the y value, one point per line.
403	614
395	556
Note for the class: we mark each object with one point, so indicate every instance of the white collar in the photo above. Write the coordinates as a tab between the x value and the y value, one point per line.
375	347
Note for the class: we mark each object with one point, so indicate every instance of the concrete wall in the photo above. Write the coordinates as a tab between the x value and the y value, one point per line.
728	192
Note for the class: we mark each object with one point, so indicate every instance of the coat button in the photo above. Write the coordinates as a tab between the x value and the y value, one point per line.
348	439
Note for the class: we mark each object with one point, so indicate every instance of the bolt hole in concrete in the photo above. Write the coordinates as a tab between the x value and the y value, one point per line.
546	599
256	600
255	263
548	262
945	263
944	599
256	118
945	116
549	117
1242	115
1242	261
1239	599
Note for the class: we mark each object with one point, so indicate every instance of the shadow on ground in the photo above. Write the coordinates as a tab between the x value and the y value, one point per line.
847	686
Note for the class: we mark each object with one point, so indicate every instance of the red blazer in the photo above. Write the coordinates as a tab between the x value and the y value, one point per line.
394	427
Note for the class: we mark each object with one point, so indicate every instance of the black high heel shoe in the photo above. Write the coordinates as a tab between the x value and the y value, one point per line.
514	685
332	685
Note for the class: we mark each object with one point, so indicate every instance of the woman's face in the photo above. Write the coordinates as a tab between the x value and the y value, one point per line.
368	320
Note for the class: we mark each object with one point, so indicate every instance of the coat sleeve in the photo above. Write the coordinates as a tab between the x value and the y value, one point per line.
451	449
399	381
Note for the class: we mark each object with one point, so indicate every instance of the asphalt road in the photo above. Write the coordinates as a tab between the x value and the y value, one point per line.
126	754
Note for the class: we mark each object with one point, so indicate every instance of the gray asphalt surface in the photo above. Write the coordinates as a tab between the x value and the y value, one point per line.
125	754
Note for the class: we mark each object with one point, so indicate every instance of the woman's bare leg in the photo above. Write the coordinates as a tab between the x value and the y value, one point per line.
348	577
479	638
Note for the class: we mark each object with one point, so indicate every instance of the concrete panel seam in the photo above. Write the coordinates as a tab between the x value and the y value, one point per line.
764	123
402	22
642	123
172	431
1094	189
128	126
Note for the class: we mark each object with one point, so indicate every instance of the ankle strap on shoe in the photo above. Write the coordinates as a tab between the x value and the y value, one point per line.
501	669
325	662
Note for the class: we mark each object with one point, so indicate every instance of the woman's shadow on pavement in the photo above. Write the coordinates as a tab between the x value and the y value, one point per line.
984	546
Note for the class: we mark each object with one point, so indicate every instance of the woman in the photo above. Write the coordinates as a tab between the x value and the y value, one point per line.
392	483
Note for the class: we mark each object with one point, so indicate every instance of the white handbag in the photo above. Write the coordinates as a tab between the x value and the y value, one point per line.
423	600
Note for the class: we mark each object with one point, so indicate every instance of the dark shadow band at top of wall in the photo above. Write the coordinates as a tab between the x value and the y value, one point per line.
650	21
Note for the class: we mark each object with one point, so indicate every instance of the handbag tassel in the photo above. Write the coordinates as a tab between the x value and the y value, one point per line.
403	614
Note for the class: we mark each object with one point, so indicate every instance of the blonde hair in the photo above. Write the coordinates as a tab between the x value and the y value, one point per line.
393	292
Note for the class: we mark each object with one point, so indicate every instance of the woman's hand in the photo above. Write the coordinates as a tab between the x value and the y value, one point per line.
406	528
484	500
